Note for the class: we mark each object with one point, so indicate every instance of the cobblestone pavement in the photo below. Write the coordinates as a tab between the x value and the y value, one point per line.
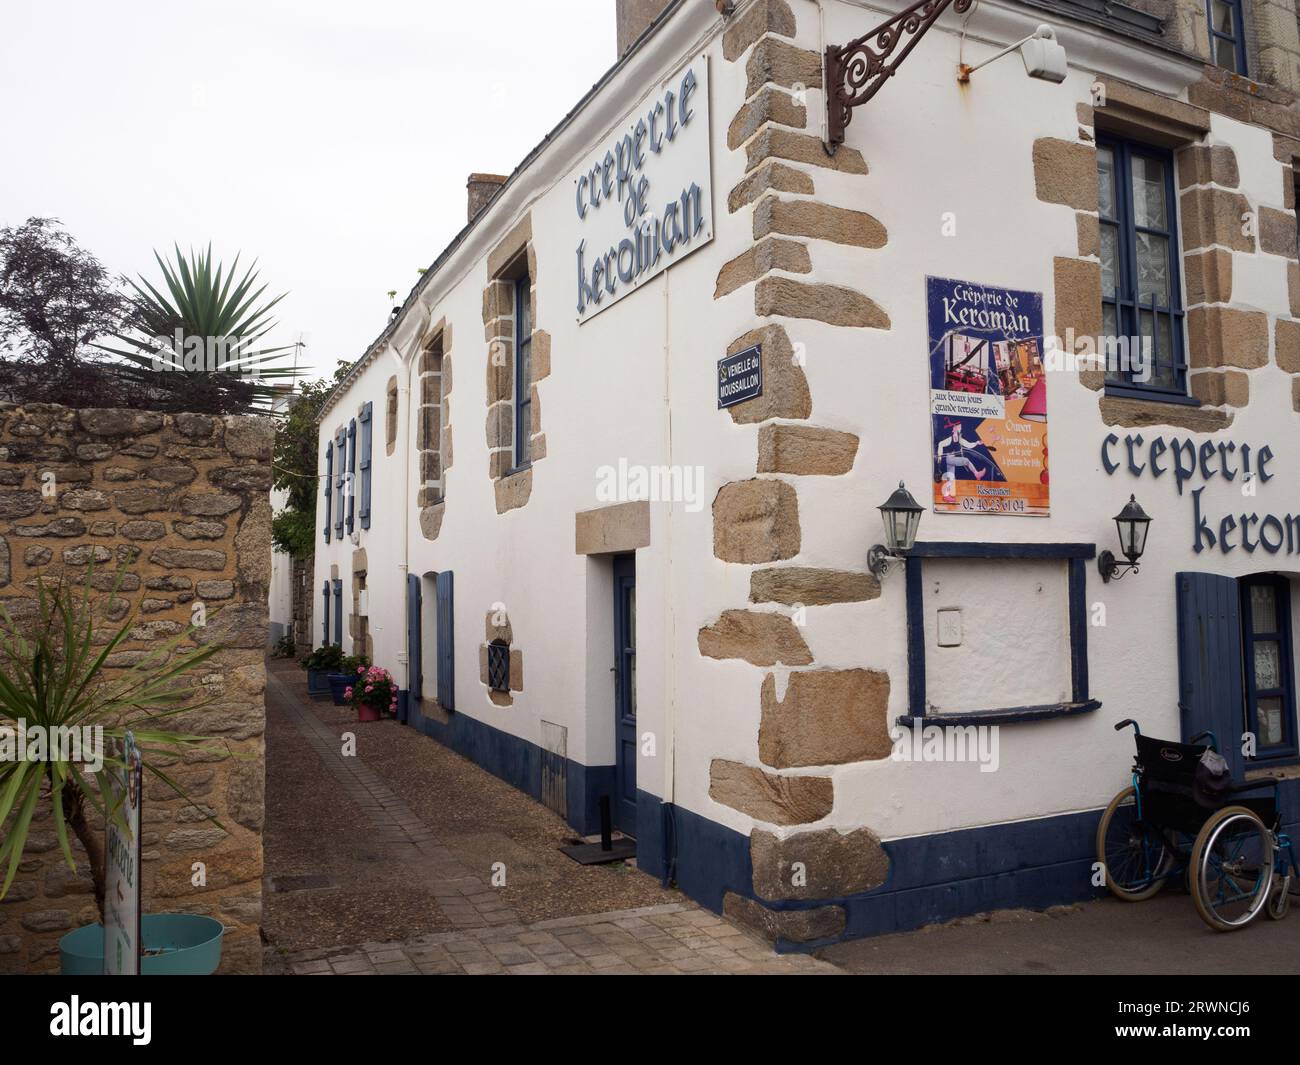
488	937
673	940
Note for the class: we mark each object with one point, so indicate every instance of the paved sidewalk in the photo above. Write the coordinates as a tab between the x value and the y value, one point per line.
416	870
672	940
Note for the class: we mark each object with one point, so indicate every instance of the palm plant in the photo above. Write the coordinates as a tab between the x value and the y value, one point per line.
198	346
52	676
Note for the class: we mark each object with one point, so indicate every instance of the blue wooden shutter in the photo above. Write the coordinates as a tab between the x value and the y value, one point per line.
341	446
366	432
325	614
1209	662
446	643
352	473
329	486
338	612
413	678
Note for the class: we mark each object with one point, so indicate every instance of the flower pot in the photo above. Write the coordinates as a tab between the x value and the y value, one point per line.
339	683
189	945
318	682
367	713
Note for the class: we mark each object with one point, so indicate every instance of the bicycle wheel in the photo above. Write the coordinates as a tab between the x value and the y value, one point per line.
1232	863
1133	854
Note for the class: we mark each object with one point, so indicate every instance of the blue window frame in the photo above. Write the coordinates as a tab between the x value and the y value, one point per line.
329	486
1268	654
367	432
523	370
1227	34
1141	284
352	474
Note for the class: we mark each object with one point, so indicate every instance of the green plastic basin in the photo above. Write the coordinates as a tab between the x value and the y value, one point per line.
190	945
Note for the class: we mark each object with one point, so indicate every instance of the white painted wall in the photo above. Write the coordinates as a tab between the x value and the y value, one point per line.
636	382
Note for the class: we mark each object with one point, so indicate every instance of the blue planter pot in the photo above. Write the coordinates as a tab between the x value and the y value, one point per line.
318	682
189	945
339	683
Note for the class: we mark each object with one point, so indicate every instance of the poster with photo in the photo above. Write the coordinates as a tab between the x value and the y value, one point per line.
988	399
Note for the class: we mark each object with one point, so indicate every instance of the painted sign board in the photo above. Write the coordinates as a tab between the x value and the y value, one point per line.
988	399
122	872
740	377
643	199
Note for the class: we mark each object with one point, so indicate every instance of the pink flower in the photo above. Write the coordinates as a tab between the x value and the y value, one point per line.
370	688
361	669
347	694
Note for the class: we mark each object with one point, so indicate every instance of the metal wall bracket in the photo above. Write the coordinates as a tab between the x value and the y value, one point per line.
856	71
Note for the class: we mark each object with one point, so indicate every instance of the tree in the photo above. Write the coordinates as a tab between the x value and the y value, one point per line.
296	464
201	343
56	299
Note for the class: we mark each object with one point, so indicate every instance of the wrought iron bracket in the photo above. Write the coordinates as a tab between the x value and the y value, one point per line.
856	71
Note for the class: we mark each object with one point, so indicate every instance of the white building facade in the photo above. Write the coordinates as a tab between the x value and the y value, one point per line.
602	493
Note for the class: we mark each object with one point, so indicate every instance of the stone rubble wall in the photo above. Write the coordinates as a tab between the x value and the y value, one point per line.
185	500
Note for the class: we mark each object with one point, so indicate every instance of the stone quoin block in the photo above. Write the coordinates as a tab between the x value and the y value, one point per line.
826	717
1218	388
1208	276
833	864
1065	172
769	106
763	257
764	17
1287	335
1227	336
833	304
777	62
808	218
771	176
760	638
805	449
1136	414
764	796
795	926
776	143
811	587
1216	216
785	388
1277	232
1201	164
756	521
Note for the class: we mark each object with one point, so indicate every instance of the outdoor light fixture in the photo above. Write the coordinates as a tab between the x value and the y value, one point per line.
901	514
856	71
1044	58
1132	524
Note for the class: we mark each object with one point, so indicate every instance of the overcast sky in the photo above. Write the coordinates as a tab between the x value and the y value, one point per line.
330	139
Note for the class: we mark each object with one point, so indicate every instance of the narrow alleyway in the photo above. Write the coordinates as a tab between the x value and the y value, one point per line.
383	862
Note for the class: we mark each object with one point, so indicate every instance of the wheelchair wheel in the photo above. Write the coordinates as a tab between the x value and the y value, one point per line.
1133	854
1232	868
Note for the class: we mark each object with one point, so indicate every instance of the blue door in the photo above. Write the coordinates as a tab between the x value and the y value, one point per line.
1209	662
624	804
414	681
443	587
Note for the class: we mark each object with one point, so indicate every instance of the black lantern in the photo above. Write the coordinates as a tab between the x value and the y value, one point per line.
1131	523
902	516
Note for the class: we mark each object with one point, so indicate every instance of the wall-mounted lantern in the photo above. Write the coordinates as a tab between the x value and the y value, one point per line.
1044	58
901	515
1132	523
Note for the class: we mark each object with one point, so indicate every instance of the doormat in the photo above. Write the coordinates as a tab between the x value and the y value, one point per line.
620	850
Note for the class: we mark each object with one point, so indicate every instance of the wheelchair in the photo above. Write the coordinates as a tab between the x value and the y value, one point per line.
1230	851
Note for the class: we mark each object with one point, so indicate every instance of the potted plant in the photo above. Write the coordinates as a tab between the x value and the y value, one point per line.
319	664
53	676
341	679
373	693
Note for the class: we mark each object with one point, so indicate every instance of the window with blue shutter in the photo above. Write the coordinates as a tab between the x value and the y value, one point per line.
352	474
325	614
1269	659
329	486
414	679
366	437
446	641
340	446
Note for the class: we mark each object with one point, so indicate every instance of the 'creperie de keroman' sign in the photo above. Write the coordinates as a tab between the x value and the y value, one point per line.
644	200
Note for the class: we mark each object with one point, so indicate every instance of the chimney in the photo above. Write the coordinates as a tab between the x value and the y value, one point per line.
482	187
633	18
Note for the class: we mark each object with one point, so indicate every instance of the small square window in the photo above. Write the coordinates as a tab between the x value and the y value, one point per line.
499	667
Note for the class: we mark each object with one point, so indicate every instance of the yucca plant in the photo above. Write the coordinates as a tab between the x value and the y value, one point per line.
209	317
53	676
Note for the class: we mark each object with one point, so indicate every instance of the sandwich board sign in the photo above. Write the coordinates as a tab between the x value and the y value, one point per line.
122	944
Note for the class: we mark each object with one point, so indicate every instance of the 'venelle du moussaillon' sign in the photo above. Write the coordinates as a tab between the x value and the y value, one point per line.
644	199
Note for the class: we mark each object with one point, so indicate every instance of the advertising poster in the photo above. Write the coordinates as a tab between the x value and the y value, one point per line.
988	399
122	872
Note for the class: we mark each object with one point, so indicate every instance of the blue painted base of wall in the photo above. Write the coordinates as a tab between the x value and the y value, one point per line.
1020	864
516	761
